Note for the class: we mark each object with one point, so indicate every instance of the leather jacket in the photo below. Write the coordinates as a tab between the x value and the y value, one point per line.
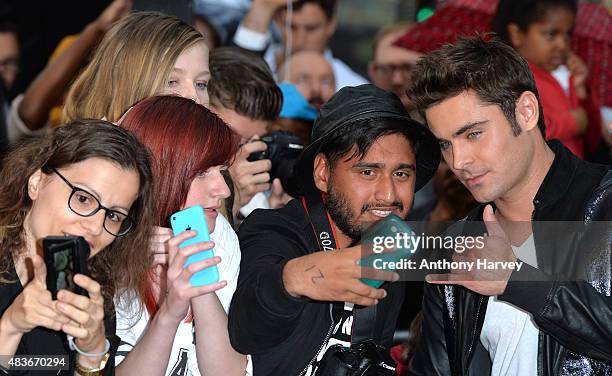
568	295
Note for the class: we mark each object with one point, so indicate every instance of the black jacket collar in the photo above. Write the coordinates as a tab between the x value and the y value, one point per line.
559	177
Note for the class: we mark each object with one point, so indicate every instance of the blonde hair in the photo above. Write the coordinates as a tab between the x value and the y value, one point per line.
131	63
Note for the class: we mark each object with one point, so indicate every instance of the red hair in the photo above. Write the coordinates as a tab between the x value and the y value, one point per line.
185	139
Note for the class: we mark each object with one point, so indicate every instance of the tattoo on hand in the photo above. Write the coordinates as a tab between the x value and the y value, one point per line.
320	276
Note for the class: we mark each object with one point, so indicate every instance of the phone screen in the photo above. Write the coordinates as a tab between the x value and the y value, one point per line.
65	256
63	266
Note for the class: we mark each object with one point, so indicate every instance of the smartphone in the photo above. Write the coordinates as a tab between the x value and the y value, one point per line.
193	219
64	257
402	245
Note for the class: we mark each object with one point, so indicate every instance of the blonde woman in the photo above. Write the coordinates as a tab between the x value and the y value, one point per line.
145	54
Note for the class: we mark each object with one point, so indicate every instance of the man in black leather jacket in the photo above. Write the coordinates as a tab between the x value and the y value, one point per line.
554	315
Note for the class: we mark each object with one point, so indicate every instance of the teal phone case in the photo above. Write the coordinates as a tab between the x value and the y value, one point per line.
193	219
387	227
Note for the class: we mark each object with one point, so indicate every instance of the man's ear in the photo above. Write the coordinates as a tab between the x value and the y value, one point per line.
34	184
527	111
371	70
331	27
515	35
321	172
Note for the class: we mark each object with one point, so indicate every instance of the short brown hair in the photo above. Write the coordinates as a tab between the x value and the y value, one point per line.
242	81
494	70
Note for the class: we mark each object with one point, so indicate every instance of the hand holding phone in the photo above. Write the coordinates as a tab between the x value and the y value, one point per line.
65	256
193	219
379	236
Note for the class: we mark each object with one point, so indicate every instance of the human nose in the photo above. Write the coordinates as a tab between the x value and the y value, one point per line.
94	224
298	38
189	91
218	187
315	88
398	76
461	157
385	190
563	42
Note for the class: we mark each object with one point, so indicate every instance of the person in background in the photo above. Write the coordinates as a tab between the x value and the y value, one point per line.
541	33
9	66
296	116
144	54
9	53
29	112
313	22
312	74
391	66
243	93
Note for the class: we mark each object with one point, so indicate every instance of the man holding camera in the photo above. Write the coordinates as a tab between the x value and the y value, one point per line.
244	94
299	290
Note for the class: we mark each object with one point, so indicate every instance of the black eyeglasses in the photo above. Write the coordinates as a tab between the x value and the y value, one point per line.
85	204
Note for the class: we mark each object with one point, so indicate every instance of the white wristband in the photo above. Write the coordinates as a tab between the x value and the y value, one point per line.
74	347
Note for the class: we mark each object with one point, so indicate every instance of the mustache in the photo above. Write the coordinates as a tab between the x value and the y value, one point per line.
394	204
316	100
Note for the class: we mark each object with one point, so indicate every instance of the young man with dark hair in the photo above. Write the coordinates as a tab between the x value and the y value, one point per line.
243	93
313	22
553	316
366	159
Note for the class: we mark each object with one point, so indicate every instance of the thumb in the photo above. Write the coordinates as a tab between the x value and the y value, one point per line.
40	271
277	188
493	227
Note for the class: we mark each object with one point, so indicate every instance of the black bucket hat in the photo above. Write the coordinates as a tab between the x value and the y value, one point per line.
352	104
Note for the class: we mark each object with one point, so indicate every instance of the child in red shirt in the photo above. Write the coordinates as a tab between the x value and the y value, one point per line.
541	31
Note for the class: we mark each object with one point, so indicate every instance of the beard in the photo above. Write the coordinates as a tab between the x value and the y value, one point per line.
339	207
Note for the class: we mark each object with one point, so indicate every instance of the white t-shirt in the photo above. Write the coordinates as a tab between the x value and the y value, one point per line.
508	333
183	361
253	40
16	128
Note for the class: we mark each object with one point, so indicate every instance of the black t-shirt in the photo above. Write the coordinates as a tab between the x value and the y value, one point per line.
283	333
43	341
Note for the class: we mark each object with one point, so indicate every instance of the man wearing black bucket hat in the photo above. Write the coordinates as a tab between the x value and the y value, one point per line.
366	160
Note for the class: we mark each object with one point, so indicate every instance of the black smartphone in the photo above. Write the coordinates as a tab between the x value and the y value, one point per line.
64	257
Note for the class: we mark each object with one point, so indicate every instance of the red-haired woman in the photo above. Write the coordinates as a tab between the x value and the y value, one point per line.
190	147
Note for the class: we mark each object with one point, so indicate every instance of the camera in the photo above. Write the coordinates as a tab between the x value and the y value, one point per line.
283	150
362	359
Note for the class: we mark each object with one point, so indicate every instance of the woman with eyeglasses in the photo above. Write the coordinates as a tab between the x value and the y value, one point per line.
183	329
90	179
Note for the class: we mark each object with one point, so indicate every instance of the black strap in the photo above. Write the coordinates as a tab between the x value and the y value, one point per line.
320	221
364	318
364	324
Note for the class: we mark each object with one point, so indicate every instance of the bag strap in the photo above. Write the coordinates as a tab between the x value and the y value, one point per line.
325	235
364	324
